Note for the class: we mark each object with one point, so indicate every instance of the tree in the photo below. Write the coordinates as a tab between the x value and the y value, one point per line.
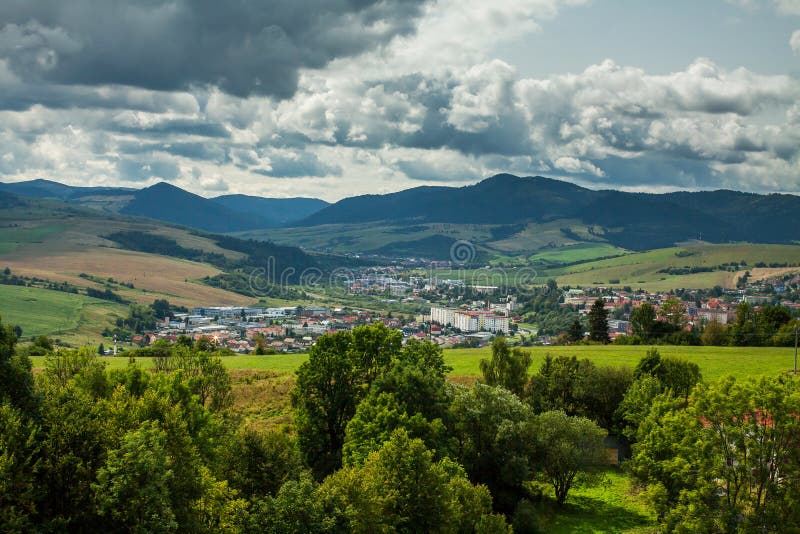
401	489
508	367
16	377
598	322
636	403
642	320
412	394
567	446
375	420
729	462
18	458
579	387
101	350
161	308
559	384
337	375
133	487
495	443
259	463
713	334
575	332
675	375
772	318
674	311
744	331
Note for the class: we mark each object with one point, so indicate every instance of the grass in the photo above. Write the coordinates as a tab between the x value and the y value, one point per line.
577	252
640	269
69	317
609	506
714	362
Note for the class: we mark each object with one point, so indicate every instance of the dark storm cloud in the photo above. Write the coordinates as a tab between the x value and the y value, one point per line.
200	151
242	46
172	127
298	165
22	96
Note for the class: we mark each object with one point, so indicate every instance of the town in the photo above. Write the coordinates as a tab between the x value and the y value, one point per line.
455	314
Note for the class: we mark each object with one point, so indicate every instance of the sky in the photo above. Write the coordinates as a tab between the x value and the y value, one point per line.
335	98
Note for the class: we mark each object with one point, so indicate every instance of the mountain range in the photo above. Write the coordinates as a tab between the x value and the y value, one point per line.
166	202
505	204
636	221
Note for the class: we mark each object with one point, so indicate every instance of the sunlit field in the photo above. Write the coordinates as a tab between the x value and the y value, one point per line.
714	362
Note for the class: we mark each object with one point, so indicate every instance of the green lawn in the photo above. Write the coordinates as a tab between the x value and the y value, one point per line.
714	362
609	506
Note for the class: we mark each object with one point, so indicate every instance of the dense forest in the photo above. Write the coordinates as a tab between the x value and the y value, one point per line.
381	441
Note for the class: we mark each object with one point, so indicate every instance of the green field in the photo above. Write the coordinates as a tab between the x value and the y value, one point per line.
609	506
72	318
638	269
714	362
577	253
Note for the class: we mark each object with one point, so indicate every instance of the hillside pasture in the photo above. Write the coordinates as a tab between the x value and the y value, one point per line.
75	319
642	269
153	276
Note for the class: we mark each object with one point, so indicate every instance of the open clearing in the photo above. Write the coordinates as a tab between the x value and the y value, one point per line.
714	362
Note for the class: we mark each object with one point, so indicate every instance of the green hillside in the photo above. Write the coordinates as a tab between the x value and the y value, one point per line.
76	319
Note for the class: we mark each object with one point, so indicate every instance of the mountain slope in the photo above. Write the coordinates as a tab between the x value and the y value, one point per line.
502	199
54	190
168	203
635	221
164	202
280	211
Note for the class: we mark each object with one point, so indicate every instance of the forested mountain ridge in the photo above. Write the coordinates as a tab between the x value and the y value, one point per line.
635	221
168	203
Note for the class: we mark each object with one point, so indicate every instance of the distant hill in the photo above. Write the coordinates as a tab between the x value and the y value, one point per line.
635	221
281	211
165	202
54	190
168	203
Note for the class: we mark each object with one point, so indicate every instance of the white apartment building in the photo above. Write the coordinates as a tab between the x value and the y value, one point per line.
443	316
466	321
470	321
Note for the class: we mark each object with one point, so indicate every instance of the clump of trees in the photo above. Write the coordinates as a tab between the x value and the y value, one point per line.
382	441
726	459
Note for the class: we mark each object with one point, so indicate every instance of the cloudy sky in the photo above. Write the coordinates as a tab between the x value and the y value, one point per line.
332	98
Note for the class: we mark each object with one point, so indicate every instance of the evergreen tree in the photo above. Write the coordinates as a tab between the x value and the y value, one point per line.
101	350
598	322
575	332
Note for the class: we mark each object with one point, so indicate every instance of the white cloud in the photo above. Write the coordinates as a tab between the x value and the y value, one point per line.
431	106
794	42
788	7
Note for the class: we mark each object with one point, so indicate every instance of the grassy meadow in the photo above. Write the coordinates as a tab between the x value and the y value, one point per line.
714	362
638	269
75	319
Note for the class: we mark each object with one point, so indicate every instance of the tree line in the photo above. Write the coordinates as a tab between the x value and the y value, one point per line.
381	441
